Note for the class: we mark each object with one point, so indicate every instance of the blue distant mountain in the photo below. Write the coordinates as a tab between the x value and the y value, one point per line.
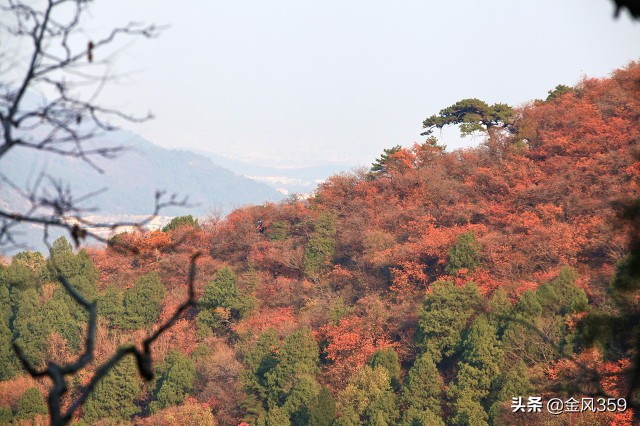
133	177
287	180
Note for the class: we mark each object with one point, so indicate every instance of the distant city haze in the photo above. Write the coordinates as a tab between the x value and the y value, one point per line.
295	83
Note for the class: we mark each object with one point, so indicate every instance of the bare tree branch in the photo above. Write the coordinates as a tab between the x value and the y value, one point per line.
44	107
143	357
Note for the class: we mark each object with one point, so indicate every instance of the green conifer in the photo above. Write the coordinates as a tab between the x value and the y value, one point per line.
222	292
465	253
445	313
388	359
114	395
143	302
175	381
30	404
5	415
321	247
423	389
30	326
323	412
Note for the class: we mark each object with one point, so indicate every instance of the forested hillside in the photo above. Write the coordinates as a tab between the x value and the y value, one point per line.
429	290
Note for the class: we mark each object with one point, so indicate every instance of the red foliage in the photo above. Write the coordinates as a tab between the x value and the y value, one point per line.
351	341
282	320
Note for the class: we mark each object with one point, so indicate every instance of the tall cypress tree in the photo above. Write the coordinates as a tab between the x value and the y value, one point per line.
423	389
388	359
60	320
260	359
30	404
222	301
79	270
298	356
478	370
110	305
444	316
30	327
175	380
514	382
465	253
369	398
321	246
9	365
143	302
302	396
323	412
114	395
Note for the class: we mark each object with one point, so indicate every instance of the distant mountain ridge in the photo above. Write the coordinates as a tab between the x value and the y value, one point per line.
131	181
287	180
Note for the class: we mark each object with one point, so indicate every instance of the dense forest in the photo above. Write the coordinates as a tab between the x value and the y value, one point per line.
431	289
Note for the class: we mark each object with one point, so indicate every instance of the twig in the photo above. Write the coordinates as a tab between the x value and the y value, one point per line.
143	357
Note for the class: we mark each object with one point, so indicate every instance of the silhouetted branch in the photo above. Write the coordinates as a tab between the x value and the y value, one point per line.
633	6
143	357
46	105
595	377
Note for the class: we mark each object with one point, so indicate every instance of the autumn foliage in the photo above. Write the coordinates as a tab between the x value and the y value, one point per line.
475	270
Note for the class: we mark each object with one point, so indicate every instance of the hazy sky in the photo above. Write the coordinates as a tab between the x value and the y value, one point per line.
299	82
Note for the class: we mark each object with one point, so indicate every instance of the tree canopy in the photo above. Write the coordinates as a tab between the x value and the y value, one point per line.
471	115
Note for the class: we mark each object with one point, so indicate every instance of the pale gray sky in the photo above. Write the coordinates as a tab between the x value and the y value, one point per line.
300	82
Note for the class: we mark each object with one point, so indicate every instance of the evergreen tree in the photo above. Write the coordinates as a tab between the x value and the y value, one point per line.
387	358
465	253
545	309
110	305
482	349
222	301
279	230
370	396
558	91
380	165
260	359
323	412
5	415
81	273
528	306
277	417
30	404
58	319
471	115
501	310
445	313
321	246
175	380
9	364
414	417
514	382
20	276
62	261
114	395
423	389
31	259
30	327
143	302
468	411
298	356
562	295
6	310
348	417
303	395
479	369
180	221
